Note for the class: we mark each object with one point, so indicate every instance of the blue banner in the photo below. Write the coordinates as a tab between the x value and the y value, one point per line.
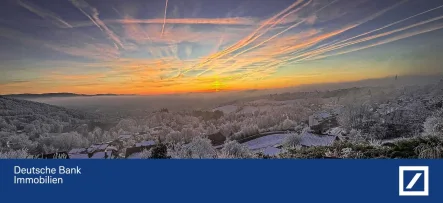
221	181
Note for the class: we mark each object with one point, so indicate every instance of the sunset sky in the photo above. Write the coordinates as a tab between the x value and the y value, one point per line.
158	47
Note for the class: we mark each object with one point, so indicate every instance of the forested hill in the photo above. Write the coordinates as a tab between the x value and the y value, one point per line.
36	118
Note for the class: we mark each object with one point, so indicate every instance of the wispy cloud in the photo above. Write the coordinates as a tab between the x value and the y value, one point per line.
92	13
164	20
91	51
44	14
188	21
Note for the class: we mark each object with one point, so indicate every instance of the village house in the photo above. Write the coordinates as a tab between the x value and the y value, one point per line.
139	147
322	121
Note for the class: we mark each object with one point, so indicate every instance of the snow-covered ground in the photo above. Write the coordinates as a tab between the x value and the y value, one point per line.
271	151
266	144
244	109
227	109
249	109
265	141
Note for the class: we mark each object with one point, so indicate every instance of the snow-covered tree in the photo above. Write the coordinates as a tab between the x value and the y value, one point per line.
292	140
16	154
128	125
433	126
21	141
288	124
146	154
233	149
199	147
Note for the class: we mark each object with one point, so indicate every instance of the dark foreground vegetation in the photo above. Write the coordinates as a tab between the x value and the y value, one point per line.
430	147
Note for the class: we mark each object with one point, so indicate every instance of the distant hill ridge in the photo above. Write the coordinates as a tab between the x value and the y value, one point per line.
61	94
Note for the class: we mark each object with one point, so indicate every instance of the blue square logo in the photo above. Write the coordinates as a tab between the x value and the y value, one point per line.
414	181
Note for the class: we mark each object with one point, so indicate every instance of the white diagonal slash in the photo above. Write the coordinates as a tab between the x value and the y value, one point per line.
420	172
413	181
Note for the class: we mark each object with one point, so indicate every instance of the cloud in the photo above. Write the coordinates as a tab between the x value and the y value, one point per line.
45	14
346	43
188	51
93	51
311	19
87	50
392	39
164	20
14	82
272	21
190	21
92	13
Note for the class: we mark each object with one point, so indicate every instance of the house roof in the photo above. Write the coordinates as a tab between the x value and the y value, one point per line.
110	148
78	156
97	147
101	155
337	131
321	115
124	136
266	141
77	150
145	143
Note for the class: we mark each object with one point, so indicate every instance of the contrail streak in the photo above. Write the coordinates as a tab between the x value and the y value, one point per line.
378	29
406	35
285	30
261	43
45	14
253	36
257	45
92	14
245	40
275	64
332	34
164	19
340	46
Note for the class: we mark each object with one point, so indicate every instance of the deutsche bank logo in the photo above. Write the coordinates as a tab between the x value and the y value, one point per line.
414	181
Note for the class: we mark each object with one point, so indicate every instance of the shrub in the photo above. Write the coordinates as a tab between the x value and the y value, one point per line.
159	151
261	155
247	131
199	147
426	151
233	149
356	136
21	141
128	125
65	141
146	154
433	126
292	140
417	147
288	124
174	137
16	154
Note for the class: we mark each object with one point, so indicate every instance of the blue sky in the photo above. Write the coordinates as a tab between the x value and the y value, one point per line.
155	47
